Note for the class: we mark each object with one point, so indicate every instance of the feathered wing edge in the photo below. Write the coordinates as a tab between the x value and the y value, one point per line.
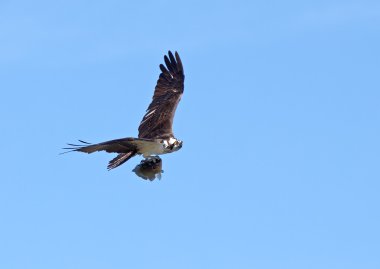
158	119
124	147
120	159
169	88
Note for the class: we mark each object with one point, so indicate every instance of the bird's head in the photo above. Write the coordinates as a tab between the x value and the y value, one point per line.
178	144
172	144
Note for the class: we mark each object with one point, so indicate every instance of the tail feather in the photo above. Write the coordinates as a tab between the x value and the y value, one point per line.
120	159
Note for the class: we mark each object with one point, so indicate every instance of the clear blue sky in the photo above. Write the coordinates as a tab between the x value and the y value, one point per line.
280	121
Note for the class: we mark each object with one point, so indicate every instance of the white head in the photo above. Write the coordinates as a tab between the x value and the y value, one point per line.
177	145
173	144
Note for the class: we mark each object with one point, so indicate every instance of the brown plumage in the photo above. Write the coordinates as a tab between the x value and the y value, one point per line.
156	125
158	119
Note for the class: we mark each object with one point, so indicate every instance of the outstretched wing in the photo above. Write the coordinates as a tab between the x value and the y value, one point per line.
158	120
123	145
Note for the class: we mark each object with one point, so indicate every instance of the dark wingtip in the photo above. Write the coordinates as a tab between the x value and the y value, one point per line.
170	54
169	64
179	62
75	147
84	142
163	68
69	150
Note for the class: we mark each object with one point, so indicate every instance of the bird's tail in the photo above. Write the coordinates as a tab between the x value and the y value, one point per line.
120	159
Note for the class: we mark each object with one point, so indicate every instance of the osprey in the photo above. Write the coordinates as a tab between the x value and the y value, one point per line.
155	131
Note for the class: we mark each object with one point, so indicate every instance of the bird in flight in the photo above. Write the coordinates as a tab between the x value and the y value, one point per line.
155	131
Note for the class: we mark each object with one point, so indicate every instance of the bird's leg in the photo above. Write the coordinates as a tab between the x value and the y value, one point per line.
151	159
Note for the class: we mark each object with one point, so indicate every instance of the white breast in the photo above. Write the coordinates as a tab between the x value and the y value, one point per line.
149	148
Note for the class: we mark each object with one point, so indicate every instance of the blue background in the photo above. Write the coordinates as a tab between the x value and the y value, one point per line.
280	123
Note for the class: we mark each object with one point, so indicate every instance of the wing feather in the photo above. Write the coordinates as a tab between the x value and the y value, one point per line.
120	159
158	119
122	145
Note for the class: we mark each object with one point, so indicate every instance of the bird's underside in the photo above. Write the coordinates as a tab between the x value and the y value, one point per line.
128	147
155	131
